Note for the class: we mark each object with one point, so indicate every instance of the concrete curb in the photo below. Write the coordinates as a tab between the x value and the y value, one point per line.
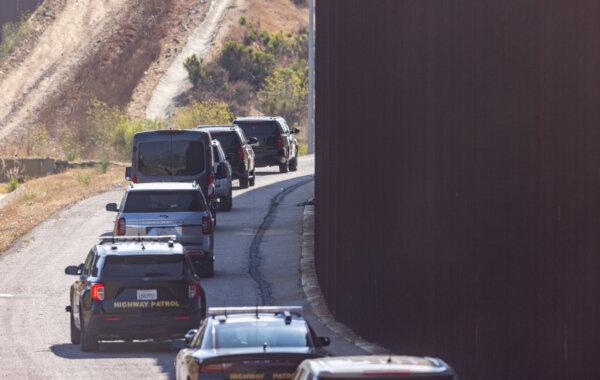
12	196
312	290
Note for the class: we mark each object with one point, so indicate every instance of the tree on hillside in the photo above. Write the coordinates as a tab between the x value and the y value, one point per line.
285	93
193	65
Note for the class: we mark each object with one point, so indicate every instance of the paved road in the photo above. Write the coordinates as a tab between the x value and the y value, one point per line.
257	249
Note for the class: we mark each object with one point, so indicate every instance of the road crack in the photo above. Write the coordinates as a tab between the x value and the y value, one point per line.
264	286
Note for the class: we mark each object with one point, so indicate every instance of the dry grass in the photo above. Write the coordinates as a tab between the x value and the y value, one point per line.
43	197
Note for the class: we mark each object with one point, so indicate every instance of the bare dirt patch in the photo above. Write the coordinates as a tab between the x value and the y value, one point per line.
43	197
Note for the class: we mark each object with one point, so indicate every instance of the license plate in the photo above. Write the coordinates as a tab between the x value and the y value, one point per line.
162	231
147	295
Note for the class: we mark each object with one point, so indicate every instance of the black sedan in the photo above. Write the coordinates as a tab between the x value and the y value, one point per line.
249	342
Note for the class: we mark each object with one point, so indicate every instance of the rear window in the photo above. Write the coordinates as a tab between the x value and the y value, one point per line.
257	333
164	201
229	141
143	266
166	158
259	129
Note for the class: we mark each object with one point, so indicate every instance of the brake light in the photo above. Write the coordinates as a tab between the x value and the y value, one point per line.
134	179
120	227
206	225
98	292
241	153
194	290
212	368
279	141
210	178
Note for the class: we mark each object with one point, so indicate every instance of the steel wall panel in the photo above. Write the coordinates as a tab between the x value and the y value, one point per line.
458	169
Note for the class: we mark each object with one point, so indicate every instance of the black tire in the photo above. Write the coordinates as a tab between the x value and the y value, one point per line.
244	183
226	202
87	342
294	164
252	179
283	168
75	333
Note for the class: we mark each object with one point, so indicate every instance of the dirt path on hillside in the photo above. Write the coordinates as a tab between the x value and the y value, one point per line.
75	34
174	81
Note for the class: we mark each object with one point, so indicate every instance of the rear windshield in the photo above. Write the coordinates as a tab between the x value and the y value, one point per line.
166	158
260	128
143	266
389	376
257	333
230	141
164	201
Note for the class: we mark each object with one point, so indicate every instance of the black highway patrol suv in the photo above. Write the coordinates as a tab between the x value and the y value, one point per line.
134	288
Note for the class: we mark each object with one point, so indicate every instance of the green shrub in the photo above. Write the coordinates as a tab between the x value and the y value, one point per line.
11	33
246	63
84	178
285	93
193	66
207	112
12	184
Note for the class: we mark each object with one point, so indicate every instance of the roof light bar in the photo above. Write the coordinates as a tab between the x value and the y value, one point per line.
164	238
254	309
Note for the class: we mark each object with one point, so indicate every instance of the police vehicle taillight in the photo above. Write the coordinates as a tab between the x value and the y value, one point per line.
193	290
120	230
206	225
280	141
98	292
241	154
215	368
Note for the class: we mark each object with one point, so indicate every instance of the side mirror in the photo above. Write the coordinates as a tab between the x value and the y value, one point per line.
112	207
73	270
189	336
252	140
128	173
324	341
295	130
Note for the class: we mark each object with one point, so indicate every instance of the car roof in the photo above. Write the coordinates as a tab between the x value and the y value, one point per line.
131	248
217	128
256	118
251	317
163	186
376	363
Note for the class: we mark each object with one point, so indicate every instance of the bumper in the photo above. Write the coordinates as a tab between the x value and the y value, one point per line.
275	157
142	326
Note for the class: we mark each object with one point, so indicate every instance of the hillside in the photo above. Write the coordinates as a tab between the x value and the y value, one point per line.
77	53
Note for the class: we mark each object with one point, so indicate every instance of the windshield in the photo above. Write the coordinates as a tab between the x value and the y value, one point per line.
229	140
176	158
164	201
257	333
143	266
259	129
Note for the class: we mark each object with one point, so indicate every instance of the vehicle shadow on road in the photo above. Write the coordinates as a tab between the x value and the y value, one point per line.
162	352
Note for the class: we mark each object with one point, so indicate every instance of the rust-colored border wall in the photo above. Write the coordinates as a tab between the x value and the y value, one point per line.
458	173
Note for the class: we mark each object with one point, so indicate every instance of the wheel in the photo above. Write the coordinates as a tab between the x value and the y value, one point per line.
87	342
244	183
252	180
283	168
226	202
294	164
75	333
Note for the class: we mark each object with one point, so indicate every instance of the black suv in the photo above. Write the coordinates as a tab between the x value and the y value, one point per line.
237	149
134	288
276	143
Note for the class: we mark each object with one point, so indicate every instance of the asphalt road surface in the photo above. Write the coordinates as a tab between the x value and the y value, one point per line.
257	250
